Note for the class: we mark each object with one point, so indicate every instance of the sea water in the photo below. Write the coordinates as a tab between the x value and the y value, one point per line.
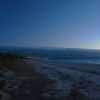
93	61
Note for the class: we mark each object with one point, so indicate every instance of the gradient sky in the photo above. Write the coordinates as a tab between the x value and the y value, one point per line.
57	23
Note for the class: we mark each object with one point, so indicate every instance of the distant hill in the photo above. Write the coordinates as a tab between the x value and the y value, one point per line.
53	52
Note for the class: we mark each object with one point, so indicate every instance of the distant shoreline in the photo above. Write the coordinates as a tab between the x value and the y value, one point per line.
90	61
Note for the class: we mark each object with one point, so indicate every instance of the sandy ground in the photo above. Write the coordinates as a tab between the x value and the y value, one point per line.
24	83
72	80
42	80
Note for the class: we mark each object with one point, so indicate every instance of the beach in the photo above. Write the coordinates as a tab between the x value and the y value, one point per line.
72	80
30	79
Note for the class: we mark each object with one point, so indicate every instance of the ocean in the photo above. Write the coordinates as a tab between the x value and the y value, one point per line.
92	61
57	54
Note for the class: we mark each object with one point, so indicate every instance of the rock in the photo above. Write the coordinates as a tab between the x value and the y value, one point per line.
0	96
46	95
4	96
1	74
26	92
1	68
2	83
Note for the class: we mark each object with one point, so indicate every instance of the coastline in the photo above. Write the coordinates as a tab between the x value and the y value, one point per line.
78	65
78	77
39	79
23	82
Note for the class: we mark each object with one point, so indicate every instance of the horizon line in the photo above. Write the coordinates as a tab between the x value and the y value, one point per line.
49	47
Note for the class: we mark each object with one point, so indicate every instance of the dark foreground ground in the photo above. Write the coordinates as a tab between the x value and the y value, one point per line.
21	81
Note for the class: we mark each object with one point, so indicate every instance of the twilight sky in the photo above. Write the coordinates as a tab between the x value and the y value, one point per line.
57	23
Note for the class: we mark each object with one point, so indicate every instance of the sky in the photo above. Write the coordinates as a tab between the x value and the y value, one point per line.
54	23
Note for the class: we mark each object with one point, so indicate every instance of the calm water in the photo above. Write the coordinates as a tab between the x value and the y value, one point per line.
94	61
